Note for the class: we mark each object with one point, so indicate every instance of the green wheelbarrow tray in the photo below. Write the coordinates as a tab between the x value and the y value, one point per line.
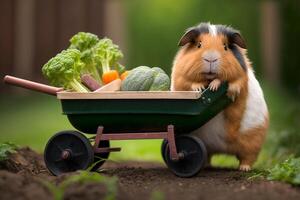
142	111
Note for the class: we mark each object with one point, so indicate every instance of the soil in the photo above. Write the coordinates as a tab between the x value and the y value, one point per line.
24	174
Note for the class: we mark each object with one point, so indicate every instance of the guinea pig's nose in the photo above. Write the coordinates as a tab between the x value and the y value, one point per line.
210	60
211	56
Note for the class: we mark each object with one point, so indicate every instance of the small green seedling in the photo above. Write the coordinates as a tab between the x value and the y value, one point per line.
82	178
257	174
100	159
90	168
287	171
6	149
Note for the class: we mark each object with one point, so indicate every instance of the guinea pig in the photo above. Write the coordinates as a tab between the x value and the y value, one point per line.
212	54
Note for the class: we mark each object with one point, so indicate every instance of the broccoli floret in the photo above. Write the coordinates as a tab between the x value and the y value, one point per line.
107	54
85	42
97	55
64	69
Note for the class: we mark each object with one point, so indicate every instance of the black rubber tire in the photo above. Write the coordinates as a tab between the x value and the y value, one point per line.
103	156
194	159
163	149
82	154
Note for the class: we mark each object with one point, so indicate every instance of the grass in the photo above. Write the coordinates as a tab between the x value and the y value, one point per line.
6	149
157	195
81	178
286	171
32	120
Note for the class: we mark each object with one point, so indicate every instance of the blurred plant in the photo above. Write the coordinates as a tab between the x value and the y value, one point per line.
157	195
283	138
83	177
287	171
99	160
6	149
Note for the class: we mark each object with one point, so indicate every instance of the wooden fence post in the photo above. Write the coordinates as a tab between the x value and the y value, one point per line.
271	40
24	34
6	40
115	23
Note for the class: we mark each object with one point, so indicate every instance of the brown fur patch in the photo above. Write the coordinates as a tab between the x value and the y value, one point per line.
247	145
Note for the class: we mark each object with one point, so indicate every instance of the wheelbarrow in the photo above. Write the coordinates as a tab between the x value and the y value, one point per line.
125	115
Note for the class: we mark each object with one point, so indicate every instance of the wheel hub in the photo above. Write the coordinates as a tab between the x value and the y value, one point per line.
181	155
66	154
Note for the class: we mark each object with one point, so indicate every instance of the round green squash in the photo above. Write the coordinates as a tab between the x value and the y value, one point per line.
144	78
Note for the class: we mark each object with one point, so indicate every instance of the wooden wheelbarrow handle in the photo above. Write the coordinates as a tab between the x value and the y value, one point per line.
31	85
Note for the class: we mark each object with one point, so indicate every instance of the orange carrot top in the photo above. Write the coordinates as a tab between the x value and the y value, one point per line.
124	75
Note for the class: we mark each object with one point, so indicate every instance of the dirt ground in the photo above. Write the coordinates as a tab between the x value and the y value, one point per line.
22	177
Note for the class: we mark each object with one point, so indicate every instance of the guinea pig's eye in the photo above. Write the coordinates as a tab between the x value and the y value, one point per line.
199	45
225	47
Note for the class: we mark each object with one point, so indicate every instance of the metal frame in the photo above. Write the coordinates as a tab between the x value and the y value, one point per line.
169	135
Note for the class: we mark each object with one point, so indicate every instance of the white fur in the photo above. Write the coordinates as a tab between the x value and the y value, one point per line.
212	30
172	85
256	108
213	134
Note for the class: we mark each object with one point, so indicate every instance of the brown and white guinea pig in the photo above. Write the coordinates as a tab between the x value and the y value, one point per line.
211	54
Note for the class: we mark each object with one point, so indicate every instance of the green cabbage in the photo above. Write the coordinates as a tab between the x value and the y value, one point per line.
161	82
144	78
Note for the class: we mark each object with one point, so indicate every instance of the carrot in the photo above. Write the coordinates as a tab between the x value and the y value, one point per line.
110	76
124	75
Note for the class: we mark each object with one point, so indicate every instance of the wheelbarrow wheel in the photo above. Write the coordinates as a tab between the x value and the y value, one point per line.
192	159
163	149
100	158
68	151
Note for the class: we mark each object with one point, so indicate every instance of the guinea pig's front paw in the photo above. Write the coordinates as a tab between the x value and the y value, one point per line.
233	91
199	87
214	85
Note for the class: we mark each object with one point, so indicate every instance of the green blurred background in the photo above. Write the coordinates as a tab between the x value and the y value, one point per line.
147	32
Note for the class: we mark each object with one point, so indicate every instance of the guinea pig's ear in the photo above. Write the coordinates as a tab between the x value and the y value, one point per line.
188	37
237	39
